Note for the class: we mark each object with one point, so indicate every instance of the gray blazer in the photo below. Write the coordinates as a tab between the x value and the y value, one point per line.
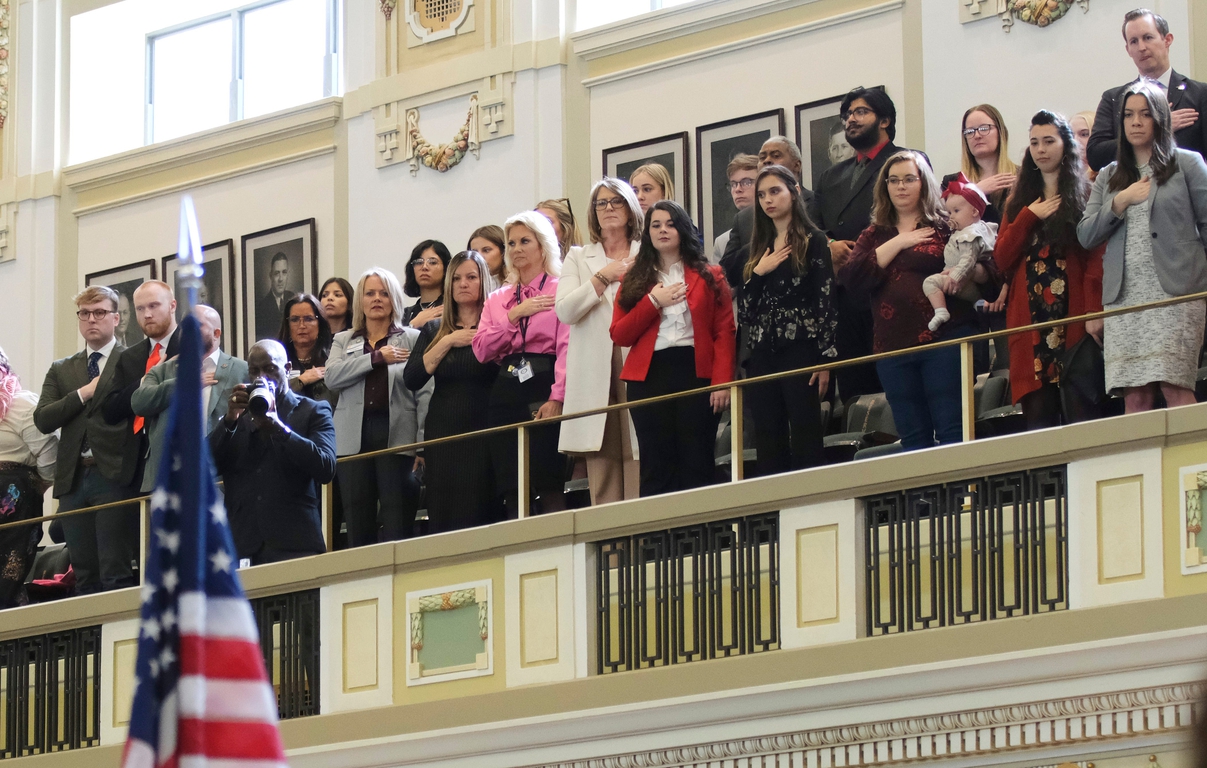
1177	218
154	395
347	366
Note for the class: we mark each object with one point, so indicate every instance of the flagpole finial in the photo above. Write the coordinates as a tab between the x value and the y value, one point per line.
188	255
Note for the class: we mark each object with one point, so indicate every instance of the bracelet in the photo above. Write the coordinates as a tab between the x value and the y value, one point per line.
599	276
654	301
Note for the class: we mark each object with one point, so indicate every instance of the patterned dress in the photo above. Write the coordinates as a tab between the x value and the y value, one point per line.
1157	344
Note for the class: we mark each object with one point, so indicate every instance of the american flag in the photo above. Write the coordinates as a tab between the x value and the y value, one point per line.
202	698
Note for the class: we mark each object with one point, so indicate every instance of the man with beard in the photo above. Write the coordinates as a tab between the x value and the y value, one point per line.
155	311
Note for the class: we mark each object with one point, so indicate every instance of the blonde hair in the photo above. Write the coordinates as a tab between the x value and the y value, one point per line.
884	214
393	287
94	294
661	177
545	235
1004	164
1088	116
157	284
636	219
565	218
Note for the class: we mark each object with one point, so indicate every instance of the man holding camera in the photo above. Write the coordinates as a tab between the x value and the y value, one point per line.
274	450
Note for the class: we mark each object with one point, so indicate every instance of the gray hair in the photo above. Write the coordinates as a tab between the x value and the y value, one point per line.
545	235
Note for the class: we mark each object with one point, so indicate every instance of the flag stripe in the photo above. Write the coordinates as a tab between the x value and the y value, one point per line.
224	659
217	617
226	699
138	754
229	739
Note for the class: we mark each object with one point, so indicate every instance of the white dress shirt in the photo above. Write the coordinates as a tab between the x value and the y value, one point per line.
1164	78
675	329
106	354
207	390
21	442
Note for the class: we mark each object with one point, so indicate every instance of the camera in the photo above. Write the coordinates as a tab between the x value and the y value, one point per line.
263	396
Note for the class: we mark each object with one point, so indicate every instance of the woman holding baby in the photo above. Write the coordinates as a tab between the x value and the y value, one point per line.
1051	276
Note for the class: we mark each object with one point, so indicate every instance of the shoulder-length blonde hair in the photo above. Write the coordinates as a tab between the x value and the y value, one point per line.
393	287
660	175
545	235
1004	164
636	220
565	219
929	205
448	318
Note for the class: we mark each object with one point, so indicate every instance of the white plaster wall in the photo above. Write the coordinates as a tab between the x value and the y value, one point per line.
27	334
389	210
359	40
1064	67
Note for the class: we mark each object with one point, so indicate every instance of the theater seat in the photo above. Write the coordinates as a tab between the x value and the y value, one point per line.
869	422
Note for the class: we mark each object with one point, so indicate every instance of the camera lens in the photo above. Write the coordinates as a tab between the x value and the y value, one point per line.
262	395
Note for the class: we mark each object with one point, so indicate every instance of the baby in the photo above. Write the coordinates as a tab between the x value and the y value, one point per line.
972	239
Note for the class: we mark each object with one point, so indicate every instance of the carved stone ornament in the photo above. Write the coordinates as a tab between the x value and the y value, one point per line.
443	157
4	53
1040	13
387	7
432	20
1080	720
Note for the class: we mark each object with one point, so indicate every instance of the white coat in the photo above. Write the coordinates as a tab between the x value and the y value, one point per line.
589	359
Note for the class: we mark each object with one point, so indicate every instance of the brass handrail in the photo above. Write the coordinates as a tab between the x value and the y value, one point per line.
736	385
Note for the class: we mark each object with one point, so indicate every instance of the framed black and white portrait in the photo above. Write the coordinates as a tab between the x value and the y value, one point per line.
125	280
668	151
217	287
821	138
716	145
278	264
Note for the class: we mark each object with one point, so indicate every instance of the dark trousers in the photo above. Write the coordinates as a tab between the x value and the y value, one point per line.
102	545
676	439
511	402
854	339
923	390
787	413
385	482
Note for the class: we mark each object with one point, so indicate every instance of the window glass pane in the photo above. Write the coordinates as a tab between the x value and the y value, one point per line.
191	79
284	46
596	13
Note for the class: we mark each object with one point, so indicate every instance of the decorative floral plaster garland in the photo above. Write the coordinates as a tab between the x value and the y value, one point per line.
4	16
387	7
443	157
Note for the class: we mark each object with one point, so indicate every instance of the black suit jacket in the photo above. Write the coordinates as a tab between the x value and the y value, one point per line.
842	212
131	367
59	407
273	484
268	315
737	249
1184	93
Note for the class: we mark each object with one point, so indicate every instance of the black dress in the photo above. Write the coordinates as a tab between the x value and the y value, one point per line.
459	477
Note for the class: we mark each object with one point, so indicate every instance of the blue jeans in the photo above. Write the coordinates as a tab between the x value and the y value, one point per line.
923	391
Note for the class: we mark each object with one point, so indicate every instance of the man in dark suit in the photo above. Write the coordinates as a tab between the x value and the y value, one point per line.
842	208
274	465
1147	39
271	306
97	459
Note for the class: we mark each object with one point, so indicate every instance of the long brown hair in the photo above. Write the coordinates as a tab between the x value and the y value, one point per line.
448	318
1073	185
800	228
643	275
493	233
884	214
1164	160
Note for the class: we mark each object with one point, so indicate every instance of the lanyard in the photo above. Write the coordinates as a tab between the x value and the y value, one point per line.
524	320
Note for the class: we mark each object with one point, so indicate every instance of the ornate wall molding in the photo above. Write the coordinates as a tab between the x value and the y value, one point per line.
397	132
1038	724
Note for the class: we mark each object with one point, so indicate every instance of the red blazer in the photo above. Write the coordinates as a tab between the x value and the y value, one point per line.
712	326
1084	270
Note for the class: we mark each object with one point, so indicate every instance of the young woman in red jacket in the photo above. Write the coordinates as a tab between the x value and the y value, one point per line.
675	313
1051	276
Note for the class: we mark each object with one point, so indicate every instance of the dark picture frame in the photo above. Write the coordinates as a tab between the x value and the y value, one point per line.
670	151
125	280
298	243
716	145
819	136
219	288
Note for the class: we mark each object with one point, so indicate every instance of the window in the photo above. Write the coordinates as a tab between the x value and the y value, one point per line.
596	13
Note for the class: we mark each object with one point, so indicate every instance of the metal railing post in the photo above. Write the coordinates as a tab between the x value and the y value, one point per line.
737	458
967	393
325	510
144	534
523	489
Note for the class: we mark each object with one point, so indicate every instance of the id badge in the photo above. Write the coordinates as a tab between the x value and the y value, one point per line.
524	371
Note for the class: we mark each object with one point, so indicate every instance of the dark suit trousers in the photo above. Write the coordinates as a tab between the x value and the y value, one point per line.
854	339
102	545
387	482
787	413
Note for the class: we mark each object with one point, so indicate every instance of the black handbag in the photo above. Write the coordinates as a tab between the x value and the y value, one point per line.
1083	381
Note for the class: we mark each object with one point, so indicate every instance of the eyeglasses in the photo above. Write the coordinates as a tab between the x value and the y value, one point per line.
981	129
860	112
902	181
95	314
307	319
741	184
417	263
610	203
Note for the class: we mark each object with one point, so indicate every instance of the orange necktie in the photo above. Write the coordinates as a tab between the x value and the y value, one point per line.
151	361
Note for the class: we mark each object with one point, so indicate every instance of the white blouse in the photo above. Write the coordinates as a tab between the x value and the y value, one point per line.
676	327
20	440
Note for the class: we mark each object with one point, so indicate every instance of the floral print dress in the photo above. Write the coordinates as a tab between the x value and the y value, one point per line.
1048	297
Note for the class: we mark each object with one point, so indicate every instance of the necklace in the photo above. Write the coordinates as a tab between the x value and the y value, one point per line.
431	304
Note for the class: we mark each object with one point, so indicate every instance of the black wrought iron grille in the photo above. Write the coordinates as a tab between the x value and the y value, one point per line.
977	550
700	592
50	692
289	638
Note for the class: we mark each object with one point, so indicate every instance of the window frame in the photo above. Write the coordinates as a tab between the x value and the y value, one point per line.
331	61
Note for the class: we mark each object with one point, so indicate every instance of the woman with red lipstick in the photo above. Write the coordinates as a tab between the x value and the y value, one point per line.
675	313
791	321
